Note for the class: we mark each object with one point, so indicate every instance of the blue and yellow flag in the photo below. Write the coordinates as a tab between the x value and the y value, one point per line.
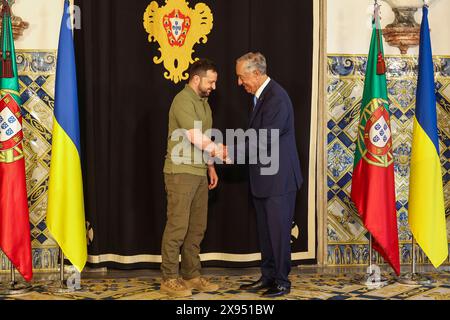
65	213
426	196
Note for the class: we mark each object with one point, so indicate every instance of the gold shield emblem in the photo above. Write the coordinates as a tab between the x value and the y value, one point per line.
177	28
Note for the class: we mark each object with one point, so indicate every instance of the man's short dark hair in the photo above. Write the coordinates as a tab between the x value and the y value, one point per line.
200	67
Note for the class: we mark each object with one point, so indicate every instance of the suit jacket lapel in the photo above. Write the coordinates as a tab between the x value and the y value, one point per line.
260	102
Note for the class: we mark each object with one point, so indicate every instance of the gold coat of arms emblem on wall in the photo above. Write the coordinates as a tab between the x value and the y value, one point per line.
177	28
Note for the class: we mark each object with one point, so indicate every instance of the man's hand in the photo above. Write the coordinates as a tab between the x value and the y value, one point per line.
223	152
220	151
213	178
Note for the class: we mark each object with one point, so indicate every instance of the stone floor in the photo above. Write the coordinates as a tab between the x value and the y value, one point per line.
308	283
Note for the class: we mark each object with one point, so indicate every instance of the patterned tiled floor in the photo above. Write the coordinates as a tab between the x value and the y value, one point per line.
307	284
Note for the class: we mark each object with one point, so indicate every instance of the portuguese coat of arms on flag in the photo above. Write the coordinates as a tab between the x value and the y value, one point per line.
373	185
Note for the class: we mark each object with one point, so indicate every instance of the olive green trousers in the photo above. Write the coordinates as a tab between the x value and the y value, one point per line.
187	208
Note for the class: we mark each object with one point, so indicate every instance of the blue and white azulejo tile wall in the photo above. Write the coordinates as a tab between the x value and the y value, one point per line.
346	236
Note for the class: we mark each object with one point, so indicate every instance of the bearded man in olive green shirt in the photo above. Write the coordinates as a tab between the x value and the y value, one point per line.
186	182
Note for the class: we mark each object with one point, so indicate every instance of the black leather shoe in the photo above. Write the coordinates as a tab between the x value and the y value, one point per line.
256	285
276	291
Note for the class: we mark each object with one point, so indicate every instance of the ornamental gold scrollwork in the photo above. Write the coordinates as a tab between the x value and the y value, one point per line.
177	28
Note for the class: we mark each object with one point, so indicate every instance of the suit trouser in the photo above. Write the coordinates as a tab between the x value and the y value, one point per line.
274	216
187	208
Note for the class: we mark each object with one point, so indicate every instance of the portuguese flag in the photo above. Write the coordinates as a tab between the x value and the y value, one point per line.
14	217
373	185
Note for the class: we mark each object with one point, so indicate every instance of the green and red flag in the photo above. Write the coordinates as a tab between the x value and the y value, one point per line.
14	216
373	185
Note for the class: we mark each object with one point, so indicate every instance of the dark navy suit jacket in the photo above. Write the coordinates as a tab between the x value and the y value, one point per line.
274	111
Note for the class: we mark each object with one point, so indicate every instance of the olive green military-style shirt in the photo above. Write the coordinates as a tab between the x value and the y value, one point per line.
182	156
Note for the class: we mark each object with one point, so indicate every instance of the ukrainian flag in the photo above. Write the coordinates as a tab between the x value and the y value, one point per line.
65	212
426	196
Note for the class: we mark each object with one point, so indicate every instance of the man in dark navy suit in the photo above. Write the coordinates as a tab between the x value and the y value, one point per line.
273	191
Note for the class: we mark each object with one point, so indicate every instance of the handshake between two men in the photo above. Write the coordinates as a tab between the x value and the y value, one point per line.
220	151
215	150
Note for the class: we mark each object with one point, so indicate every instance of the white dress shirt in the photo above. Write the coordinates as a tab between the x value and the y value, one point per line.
261	89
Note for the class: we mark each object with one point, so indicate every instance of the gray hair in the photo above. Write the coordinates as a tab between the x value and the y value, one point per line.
255	61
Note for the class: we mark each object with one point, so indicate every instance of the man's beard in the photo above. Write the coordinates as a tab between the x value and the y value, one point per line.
203	93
